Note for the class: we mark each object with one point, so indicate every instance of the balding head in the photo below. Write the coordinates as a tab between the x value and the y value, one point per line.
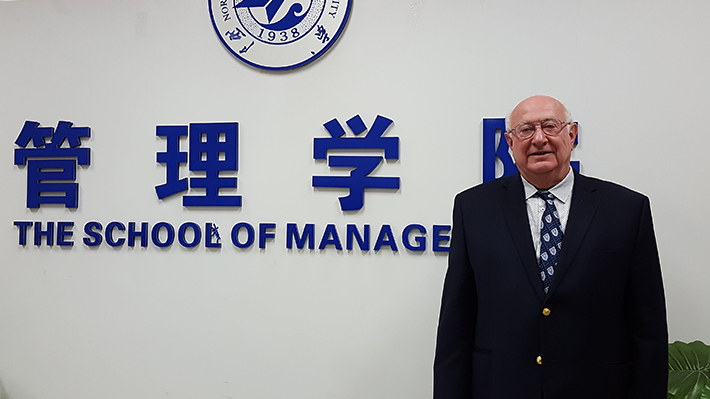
543	159
531	100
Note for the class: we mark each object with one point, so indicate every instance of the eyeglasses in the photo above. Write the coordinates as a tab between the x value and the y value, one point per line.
551	127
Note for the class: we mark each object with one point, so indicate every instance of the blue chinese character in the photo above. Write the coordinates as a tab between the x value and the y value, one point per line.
56	171
213	149
322	35
246	48
235	34
359	178
491	128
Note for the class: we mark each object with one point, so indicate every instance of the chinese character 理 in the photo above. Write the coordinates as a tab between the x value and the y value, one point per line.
55	172
359	178
213	149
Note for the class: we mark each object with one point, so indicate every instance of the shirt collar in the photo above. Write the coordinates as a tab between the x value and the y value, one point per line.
562	190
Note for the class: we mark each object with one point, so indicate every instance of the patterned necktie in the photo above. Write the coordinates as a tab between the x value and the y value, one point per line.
550	239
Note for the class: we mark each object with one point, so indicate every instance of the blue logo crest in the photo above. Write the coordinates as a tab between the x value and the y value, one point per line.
278	34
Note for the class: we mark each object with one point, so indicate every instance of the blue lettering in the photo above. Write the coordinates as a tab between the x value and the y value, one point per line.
362	242
48	234
142	233
439	236
89	228
196	234
170	234
225	10
211	234
63	234
292	232
22	227
334	6
420	240
263	234
330	237
385	238
415	237
109	234
235	235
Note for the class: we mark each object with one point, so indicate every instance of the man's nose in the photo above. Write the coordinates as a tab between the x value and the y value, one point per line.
539	136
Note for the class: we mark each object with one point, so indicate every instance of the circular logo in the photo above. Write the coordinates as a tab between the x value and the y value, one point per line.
278	34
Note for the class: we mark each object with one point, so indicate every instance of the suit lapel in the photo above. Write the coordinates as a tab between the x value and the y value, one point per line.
585	199
512	201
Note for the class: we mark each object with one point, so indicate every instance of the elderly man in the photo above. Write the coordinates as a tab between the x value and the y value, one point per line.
554	284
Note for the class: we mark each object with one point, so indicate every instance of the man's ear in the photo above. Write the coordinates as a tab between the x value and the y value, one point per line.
508	139
573	130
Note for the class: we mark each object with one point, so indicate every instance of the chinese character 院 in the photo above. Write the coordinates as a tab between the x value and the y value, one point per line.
213	149
359	178
55	172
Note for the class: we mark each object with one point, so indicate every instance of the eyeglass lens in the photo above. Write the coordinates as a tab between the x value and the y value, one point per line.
548	126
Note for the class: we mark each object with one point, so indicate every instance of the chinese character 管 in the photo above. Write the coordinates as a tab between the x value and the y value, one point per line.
359	178
213	149
55	172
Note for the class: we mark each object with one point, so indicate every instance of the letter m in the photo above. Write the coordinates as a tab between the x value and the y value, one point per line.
292	233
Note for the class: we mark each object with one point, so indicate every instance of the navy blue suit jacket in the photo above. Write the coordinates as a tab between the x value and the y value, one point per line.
600	332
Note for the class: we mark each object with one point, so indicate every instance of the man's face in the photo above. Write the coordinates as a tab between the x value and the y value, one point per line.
543	160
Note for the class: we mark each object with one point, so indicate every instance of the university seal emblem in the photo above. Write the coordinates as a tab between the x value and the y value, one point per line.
278	34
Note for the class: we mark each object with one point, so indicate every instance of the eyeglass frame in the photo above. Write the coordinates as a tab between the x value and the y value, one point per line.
536	124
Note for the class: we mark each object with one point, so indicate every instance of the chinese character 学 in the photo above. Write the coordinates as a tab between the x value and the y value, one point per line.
359	178
52	178
213	149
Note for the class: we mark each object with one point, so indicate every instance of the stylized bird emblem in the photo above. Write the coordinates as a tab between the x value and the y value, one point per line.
272	6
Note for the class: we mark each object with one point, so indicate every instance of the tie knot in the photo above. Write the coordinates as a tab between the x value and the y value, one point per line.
546	195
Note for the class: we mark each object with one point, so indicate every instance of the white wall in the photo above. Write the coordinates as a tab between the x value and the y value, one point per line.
273	323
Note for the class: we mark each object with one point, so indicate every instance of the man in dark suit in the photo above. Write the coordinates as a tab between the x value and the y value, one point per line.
554	285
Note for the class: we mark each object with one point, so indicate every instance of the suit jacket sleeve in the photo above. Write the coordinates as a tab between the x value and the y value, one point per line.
646	314
454	346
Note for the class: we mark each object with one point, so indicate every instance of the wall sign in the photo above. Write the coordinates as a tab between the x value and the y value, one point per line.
209	152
